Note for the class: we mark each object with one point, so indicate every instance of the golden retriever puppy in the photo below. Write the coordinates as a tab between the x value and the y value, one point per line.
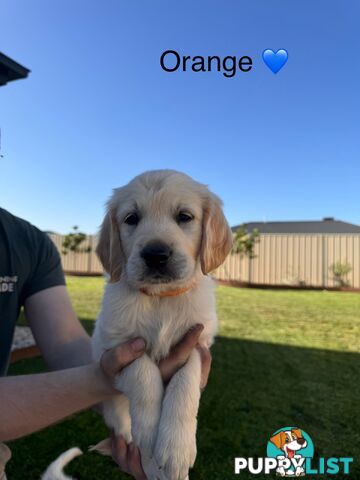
161	236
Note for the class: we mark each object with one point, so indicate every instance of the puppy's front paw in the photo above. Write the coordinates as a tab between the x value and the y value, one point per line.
175	453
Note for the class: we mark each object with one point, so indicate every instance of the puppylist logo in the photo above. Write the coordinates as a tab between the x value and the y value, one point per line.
290	453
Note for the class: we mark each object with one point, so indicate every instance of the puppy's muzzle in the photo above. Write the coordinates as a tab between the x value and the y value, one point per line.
156	255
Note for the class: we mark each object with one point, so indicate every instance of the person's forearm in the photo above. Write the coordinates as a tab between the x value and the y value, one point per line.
69	354
32	402
62	339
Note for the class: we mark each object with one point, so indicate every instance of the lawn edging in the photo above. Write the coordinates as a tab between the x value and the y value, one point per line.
25	352
265	286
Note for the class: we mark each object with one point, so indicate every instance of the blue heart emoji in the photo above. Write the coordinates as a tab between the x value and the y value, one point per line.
275	61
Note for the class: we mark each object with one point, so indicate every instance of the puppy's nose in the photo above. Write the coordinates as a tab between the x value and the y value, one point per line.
156	254
301	441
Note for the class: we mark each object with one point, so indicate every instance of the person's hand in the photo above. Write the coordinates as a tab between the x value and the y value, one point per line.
115	359
128	456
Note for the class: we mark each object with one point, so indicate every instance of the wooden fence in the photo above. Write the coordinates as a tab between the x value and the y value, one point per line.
279	260
79	263
298	260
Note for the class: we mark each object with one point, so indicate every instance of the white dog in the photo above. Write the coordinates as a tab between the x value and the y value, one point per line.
162	234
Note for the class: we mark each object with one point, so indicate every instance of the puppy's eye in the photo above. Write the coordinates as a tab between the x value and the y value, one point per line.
132	219
184	217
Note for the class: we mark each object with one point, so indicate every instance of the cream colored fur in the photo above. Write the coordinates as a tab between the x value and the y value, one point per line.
161	421
55	470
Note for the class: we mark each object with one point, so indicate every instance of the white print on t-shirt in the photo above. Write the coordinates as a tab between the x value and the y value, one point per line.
7	283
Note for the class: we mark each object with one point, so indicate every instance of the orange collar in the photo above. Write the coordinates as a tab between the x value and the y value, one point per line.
168	293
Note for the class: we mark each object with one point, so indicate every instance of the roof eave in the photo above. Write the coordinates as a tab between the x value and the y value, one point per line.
11	70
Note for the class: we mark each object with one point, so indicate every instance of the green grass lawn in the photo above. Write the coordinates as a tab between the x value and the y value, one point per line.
283	358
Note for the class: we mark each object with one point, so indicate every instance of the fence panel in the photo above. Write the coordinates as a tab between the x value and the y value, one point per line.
303	260
85	262
279	260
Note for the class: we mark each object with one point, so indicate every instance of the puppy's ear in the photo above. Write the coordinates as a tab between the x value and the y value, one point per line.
109	248
217	237
278	440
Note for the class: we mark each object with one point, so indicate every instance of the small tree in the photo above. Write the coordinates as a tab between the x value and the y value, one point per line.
73	243
244	242
340	270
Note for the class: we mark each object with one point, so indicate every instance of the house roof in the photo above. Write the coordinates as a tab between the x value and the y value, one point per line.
11	70
327	225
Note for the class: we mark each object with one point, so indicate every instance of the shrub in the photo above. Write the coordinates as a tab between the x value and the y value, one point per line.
340	270
72	242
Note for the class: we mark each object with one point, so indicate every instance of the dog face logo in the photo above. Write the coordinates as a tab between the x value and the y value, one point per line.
289	441
290	446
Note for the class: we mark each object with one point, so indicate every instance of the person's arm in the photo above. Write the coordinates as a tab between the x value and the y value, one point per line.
32	402
58	333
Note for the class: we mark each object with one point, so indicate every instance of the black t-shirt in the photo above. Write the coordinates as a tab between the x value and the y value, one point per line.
29	262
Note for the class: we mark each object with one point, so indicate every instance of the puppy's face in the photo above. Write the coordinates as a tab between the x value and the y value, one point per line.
160	232
160	228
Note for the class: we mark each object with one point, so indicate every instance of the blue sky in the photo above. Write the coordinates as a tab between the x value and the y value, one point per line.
97	109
